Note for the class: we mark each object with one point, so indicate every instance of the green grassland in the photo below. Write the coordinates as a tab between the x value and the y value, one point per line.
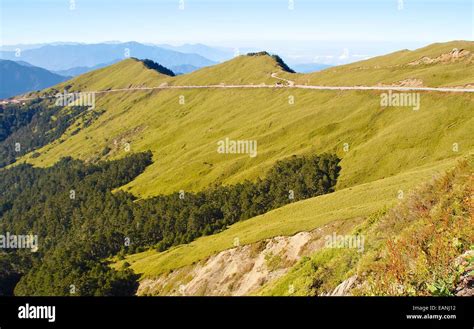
427	230
183	137
241	70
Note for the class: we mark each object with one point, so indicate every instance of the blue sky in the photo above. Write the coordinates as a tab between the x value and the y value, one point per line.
214	21
240	23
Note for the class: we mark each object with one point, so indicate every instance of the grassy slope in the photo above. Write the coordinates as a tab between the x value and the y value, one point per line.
183	138
359	201
240	70
392	68
127	73
427	230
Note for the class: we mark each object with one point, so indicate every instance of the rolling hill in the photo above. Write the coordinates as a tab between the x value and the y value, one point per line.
130	72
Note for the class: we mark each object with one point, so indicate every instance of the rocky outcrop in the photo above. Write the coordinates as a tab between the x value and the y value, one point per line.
343	289
465	286
454	55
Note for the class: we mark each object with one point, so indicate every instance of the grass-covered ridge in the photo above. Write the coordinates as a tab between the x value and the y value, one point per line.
130	72
277	58
243	69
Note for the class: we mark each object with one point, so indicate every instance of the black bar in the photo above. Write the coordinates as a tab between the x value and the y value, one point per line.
222	312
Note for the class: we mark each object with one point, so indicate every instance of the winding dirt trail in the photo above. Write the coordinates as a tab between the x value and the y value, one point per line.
288	84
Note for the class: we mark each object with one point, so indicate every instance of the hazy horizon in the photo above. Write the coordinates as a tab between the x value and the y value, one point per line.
302	31
317	52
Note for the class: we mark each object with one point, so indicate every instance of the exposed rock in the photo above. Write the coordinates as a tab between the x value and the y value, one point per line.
451	57
465	286
244	269
343	289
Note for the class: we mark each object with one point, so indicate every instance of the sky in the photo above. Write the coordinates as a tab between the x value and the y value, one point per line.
298	24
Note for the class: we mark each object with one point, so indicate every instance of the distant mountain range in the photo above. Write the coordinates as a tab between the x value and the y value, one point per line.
183	69
216	54
20	77
69	59
75	71
310	67
73	59
76	57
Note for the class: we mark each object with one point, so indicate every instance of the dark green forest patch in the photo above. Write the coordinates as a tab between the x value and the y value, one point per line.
80	222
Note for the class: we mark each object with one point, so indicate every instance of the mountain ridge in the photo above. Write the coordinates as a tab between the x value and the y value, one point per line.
17	78
67	56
